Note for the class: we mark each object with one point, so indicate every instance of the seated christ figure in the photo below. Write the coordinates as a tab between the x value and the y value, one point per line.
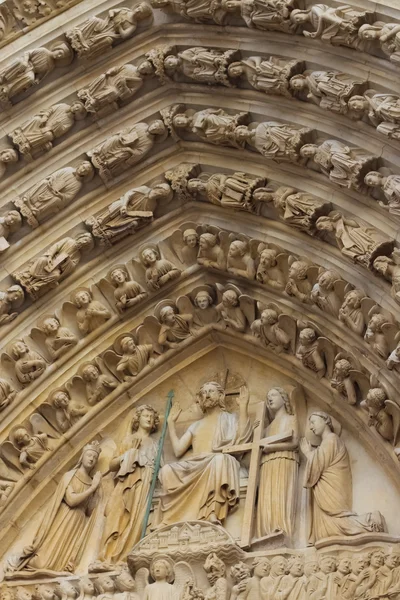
204	486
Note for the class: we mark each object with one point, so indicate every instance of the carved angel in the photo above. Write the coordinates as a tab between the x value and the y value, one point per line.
328	292
274	140
315	352
91	314
11	299
299	285
275	329
159	271
10	222
211	253
389	268
201	304
185	243
28	364
344	165
98	384
127	293
233	308
59	339
28	447
240	261
97	35
386	34
171	328
169	580
66	411
272	267
348	379
270	76
389	184
130	356
7	394
380	333
351	312
299	209
211	125
383	413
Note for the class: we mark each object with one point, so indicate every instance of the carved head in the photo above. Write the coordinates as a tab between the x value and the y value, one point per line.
149	257
145	68
300	16
127	345
237	249
327	564
203	300
358	105
296	566
230	299
82	298
298	270
375	400
214	567
167	315
142	11
269	317
243	134
15	295
210	395
263	194
359	563
146	417
308	150
124	582
85	171
392	559
104	584
90	456
278	566
60	399
377	559
118	276
86	586
44	591
51	325
6	593
85	242
62	53
261	567
161	191
157	127
320	421
235	70
327	279
230	5
268	258
240	572
21	437
307	336
344	565
370	32
181	121
78	110
90	373
196	186
298	83
8	155
342	369
172	63
207	240
12	220
353	299
21	593
162	569
278	397
325	224
376	323
310	566
190	237
19	349
373	179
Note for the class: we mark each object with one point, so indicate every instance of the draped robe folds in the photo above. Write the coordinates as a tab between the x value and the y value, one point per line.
328	477
231	192
161	590
278	483
22	73
356	241
391	189
276	140
208	481
127	504
155	272
61	537
132	364
108	88
48	125
267	75
6	393
93	36
214	126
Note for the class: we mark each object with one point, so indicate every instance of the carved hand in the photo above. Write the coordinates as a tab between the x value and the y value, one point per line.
175	412
96	480
305	446
244	395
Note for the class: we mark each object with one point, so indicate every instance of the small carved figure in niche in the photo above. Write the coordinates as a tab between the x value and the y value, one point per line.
392	363
127	292
91	314
351	313
30	447
12	298
310	352
98	385
267	15
36	136
268	270
211	125
126	148
386	34
162	573
7	394
31	68
199	12
336	25
105	587
190	249
132	467
53	193
390	186
269	331
343	380
328	476
276	508
133	357
343	165
47	271
10	222
67	412
205	313
270	76
7	156
159	271
360	243
324	294
240	574
240	261
125	586
381	413
330	90
125	216
97	35
389	268
210	252
58	339
216	574
274	140
117	84
237	190
271	582
29	365
175	328
63	533
375	335
382	110
6	487
204	65
298	209
298	284
231	312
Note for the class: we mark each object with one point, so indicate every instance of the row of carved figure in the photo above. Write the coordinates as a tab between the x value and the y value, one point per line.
334	91
173	326
292	577
343	26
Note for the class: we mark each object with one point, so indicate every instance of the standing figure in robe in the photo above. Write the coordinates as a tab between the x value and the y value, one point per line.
133	468
68	520
279	469
328	477
206	485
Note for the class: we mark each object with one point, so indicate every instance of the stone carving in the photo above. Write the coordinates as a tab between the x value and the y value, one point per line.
274	329
298	209
59	340
200	13
127	292
11	299
125	216
240	261
91	314
279	468
211	125
270	76
360	243
389	184
29	448
315	352
299	285
393	361
126	148
68	520
331	90
211	254
274	140
207	479
203	65
389	268
343	165
376	334
47	271
240	574
383	414
381	110
10	222
348	379
36	136
175	327
232	308
7	155
28	364
30	69
331	511
201	305
95	36
270	270
132	467
53	193
216	574
67	411
386	34
159	271
132	356
97	384
351	313
271	15
114	87
327	292
7	394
